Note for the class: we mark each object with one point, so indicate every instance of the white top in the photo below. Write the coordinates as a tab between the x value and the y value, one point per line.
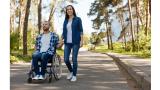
69	31
45	41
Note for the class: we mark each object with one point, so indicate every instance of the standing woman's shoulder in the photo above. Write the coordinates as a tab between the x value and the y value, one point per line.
78	18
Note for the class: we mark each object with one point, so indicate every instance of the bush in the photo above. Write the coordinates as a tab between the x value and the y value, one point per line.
144	41
14	41
13	59
146	53
30	39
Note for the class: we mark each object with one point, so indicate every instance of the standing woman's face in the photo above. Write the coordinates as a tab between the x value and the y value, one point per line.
69	11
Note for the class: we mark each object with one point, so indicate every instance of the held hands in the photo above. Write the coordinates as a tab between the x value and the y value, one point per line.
61	42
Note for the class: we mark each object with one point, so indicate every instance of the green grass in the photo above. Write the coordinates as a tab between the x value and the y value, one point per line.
103	49
17	55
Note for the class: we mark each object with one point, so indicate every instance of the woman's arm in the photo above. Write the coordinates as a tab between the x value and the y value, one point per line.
80	26
61	42
81	43
81	31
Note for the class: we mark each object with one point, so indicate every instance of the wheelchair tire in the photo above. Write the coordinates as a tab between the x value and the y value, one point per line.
57	66
50	79
29	80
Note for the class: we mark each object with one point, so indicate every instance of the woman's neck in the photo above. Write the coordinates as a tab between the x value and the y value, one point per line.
70	17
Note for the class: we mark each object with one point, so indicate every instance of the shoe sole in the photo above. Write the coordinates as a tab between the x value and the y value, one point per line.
35	79
73	81
68	78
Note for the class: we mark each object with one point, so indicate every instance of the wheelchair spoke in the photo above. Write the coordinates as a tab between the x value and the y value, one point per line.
57	66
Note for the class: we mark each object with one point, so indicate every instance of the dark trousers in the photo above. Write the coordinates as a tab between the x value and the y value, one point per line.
43	58
67	51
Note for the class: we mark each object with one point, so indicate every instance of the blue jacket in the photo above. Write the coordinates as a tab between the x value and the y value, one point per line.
77	30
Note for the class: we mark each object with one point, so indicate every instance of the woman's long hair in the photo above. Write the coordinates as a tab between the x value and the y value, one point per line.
74	12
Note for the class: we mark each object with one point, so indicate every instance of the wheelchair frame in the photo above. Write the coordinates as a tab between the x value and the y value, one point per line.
55	69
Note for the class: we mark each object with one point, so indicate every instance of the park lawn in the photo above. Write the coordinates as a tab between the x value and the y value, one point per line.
103	49
17	55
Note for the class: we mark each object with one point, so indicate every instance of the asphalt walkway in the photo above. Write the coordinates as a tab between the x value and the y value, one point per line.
95	72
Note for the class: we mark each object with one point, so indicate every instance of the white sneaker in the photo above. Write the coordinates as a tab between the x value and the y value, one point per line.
41	77
36	77
69	75
74	78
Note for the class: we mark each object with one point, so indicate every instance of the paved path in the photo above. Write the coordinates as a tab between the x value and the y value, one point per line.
95	72
138	68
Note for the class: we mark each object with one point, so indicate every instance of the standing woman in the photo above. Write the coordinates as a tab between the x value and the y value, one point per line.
73	40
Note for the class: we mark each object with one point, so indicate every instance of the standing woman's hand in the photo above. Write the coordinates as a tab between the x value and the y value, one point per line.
81	44
61	42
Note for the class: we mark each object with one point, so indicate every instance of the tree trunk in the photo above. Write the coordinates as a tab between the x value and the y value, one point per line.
11	23
150	7
107	36
110	34
146	28
125	42
53	8
150	14
137	12
51	15
121	20
25	27
107	30
19	26
39	16
131	21
23	9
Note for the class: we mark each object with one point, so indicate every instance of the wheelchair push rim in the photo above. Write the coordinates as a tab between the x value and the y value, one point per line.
57	67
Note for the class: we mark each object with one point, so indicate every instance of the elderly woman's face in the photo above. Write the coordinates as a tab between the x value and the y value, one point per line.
69	11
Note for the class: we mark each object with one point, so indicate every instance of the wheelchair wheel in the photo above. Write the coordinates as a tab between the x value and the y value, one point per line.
30	75
50	79
57	67
29	80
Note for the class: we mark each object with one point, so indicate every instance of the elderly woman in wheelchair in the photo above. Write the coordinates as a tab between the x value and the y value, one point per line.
45	56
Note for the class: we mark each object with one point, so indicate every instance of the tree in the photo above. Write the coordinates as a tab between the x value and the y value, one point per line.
20	8
120	16
95	40
137	13
13	15
131	22
110	36
25	27
19	24
107	29
39	15
147	15
101	9
53	8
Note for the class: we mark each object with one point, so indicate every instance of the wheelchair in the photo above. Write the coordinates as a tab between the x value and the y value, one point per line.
54	68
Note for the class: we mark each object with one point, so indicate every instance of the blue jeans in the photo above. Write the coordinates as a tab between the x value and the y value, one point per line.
67	51
43	58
